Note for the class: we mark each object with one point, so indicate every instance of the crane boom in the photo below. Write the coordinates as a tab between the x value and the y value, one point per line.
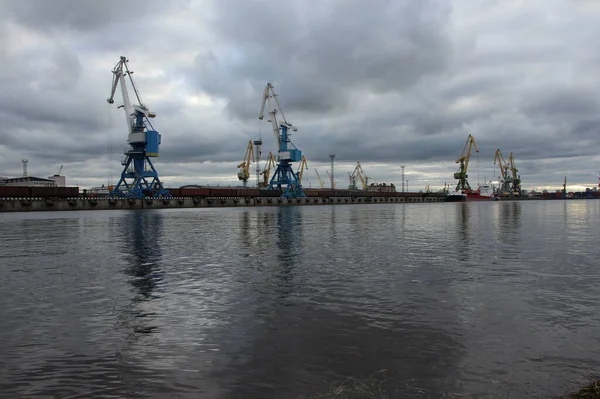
465	157
268	96
505	178
499	159
321	182
303	166
266	173
119	72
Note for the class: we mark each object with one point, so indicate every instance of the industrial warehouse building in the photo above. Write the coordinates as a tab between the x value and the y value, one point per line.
28	181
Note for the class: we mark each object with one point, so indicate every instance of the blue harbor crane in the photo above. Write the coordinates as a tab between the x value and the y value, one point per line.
284	178
139	177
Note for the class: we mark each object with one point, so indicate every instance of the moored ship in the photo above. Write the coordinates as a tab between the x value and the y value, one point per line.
456	196
483	193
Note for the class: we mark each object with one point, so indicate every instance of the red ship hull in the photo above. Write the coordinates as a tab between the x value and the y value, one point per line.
476	196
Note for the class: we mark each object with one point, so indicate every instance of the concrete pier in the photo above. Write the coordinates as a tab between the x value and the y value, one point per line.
86	204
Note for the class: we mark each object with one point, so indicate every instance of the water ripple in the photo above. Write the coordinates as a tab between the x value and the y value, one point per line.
481	299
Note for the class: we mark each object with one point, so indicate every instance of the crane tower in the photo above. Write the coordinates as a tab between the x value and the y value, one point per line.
138	174
284	178
24	161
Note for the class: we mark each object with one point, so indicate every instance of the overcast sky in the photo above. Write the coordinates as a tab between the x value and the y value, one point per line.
389	83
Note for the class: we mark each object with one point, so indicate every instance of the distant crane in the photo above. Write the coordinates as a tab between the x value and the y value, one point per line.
516	179
461	175
505	179
352	178
258	154
138	173
266	172
361	175
321	182
303	166
285	178
59	171
244	173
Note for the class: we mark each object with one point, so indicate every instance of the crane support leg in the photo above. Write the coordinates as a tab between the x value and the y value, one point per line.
136	180
286	180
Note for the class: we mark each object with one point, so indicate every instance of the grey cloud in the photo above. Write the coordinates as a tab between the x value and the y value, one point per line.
79	15
321	53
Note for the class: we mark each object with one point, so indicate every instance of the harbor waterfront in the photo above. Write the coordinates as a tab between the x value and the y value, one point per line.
73	204
481	299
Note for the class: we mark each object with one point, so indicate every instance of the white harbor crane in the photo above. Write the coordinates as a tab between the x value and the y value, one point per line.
136	179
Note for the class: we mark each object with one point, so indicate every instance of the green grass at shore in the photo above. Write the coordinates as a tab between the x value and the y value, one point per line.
590	391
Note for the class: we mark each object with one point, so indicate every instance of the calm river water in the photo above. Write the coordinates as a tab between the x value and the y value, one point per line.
481	299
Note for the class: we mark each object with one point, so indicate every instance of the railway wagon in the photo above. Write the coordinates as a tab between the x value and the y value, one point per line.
270	193
194	192
14	192
54	192
248	192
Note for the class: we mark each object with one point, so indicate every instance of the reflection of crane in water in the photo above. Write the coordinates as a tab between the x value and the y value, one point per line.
289	233
510	224
142	237
463	229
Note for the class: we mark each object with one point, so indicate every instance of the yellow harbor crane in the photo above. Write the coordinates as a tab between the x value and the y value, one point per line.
361	175
506	179
244	167
321	182
303	166
516	179
266	172
461	175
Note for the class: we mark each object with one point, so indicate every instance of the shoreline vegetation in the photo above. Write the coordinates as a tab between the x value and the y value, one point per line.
375	387
589	391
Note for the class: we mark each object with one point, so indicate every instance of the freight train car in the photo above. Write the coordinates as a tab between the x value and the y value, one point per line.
194	192
14	192
311	192
270	193
38	192
175	192
248	192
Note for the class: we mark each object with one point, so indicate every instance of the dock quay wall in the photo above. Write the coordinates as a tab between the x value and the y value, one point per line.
84	204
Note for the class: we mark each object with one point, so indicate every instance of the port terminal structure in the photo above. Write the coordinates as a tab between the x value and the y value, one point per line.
284	178
139	176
